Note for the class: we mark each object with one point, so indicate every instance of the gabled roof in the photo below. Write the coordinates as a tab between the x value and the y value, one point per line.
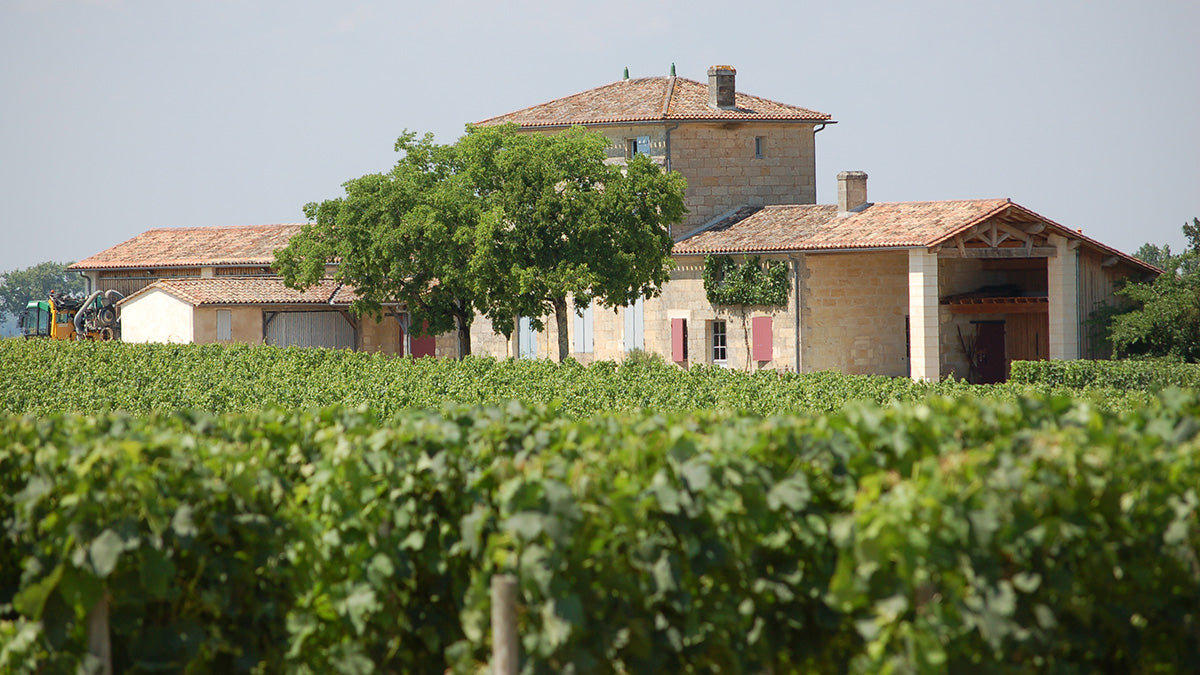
649	99
194	247
248	291
901	225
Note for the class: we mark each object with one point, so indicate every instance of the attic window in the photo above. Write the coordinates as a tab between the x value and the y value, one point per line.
639	145
758	146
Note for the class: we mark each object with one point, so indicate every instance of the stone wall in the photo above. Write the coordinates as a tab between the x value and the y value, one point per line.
381	336
684	298
723	173
719	163
854	307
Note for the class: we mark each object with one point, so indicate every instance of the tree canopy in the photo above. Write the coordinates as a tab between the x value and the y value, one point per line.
404	237
561	222
18	287
1166	318
502	222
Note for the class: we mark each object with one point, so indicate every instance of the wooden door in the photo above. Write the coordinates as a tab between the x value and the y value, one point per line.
990	362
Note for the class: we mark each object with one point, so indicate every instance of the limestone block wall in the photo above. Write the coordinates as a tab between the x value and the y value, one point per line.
1062	275
854	308
684	297
723	172
485	341
721	167
382	336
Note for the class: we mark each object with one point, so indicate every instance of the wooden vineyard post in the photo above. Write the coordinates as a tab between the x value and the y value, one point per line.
98	638
505	648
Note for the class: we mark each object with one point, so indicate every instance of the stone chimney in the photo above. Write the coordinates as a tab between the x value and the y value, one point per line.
852	191
720	87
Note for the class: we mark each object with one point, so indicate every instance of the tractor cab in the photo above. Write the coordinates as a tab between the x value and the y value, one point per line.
37	319
53	318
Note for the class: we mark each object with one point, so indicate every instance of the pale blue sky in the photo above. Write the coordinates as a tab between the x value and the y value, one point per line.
117	116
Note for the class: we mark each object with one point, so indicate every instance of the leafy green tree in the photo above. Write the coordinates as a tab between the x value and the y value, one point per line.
503	222
1155	255
1166	321
561	222
18	287
401	237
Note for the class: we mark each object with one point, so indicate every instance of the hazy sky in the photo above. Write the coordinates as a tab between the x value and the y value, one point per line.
117	116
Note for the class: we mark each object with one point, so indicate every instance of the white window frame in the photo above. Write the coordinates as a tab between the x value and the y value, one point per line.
760	144
719	341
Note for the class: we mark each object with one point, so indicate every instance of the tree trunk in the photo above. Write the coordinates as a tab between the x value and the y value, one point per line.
464	335
561	318
746	339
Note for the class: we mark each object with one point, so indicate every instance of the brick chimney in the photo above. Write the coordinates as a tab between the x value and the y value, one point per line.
852	191
720	87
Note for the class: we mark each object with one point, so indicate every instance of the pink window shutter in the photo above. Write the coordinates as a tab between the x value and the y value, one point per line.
763	339
679	340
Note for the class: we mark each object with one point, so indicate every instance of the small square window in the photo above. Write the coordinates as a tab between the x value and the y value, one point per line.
719	352
759	142
635	146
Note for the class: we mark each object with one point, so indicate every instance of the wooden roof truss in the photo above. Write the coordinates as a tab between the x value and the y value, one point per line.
1002	236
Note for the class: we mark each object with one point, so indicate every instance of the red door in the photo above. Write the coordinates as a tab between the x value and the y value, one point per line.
990	362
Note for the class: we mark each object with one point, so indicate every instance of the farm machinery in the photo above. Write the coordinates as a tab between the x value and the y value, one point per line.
72	317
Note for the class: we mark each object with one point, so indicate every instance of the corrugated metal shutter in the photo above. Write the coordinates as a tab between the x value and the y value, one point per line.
310	329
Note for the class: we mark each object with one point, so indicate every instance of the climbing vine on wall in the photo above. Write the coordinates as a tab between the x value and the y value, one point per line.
753	282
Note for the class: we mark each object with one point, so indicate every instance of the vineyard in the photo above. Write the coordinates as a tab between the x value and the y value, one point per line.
235	525
43	377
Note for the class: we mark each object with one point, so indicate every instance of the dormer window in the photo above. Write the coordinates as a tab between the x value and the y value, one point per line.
635	146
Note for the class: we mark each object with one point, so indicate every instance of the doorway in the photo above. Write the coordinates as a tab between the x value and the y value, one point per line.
991	364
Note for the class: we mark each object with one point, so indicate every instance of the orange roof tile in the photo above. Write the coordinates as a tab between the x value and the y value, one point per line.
193	247
249	291
648	99
813	227
807	227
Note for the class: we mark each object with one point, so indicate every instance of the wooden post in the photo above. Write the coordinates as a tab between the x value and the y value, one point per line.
99	641
505	648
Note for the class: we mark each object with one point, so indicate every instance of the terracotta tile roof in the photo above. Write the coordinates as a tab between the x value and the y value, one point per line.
648	99
809	227
817	227
249	291
193	247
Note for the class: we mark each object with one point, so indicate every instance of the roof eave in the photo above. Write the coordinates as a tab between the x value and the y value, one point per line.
795	250
669	120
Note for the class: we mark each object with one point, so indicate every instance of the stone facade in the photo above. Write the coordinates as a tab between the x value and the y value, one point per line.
854	308
727	165
852	318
